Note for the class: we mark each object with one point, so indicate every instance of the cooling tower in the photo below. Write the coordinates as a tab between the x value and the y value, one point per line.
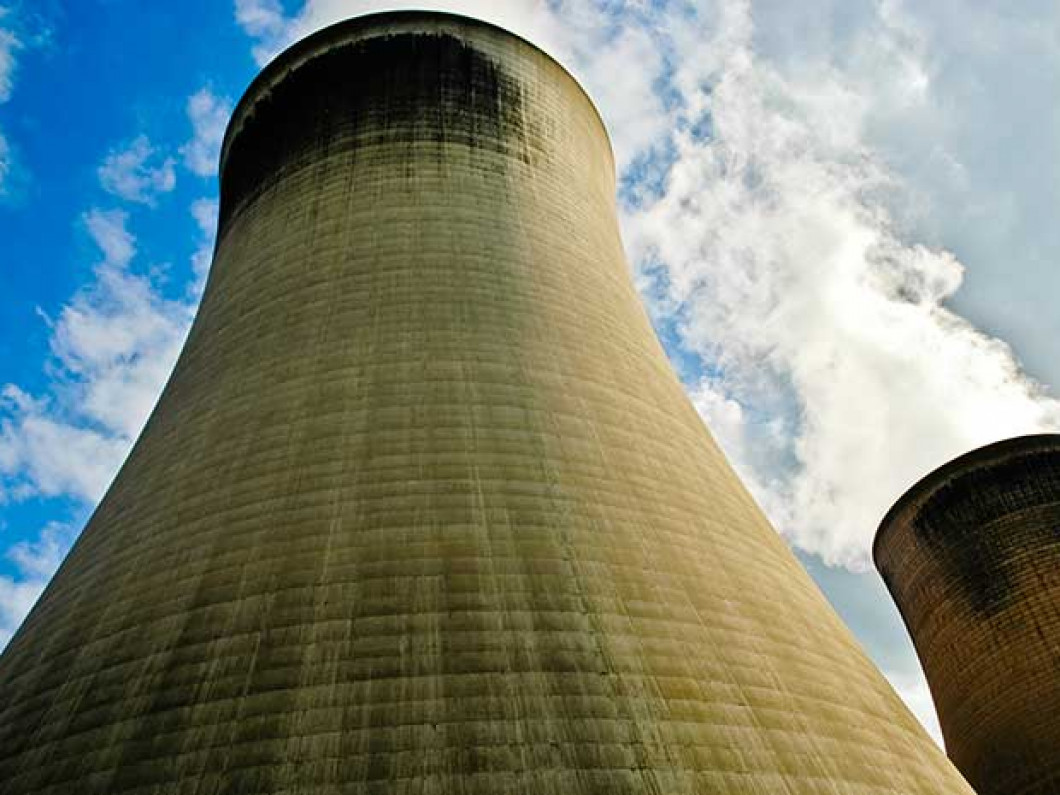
971	554
423	508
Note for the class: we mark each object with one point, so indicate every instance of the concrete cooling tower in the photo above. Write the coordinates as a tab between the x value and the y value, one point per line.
971	554
423	508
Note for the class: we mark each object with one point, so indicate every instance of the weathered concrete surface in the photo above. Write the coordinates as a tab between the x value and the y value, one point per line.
423	508
971	554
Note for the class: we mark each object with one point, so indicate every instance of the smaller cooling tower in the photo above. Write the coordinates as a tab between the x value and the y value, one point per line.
971	554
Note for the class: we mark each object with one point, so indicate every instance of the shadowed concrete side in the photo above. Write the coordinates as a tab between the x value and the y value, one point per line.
423	508
971	555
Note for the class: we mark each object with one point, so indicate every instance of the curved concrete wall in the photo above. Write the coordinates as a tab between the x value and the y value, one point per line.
423	508
971	554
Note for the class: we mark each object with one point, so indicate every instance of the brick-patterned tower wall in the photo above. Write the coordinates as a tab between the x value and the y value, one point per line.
423	508
971	555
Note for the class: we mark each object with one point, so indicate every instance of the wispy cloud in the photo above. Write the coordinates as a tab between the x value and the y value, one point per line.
39	559
35	562
10	45
265	21
204	211
209	115
260	17
138	172
113	345
6	163
44	454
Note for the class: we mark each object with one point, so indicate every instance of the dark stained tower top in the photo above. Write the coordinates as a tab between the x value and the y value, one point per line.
424	508
399	87
971	555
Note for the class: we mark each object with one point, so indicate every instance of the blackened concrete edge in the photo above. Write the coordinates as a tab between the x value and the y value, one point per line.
979	458
316	43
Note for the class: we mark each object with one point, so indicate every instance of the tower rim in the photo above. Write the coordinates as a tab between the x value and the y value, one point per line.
272	72
977	458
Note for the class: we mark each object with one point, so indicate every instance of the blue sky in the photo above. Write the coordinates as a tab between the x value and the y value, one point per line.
839	215
91	78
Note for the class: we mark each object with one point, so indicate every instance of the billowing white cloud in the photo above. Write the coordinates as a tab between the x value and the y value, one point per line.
113	345
138	172
791	283
209	115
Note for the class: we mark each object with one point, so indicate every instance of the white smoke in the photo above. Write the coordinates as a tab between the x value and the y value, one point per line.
792	285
